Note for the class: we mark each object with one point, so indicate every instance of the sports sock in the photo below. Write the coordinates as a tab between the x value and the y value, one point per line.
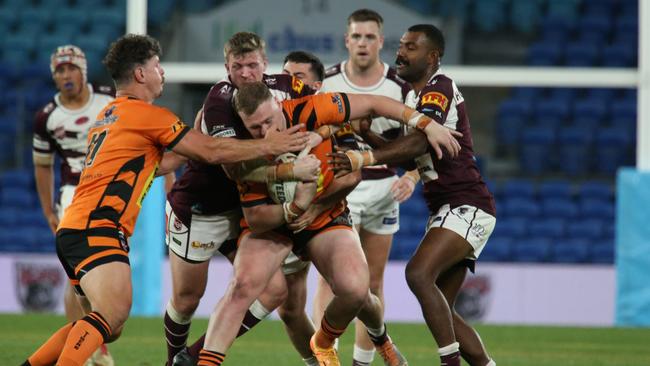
310	361
362	356
177	328
327	334
491	363
48	353
450	355
255	314
210	358
378	336
84	338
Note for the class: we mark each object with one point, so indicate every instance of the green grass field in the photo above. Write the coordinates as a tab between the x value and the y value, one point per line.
142	343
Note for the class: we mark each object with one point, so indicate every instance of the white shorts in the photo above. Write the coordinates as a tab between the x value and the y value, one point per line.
65	199
372	206
293	264
202	240
472	223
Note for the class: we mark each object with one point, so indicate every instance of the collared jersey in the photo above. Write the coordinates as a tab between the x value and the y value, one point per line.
125	146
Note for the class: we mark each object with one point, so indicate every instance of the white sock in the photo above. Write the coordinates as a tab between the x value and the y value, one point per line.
491	363
363	355
377	332
336	344
258	310
310	361
449	349
176	316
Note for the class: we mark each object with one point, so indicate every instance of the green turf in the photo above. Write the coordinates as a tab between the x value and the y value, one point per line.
142	343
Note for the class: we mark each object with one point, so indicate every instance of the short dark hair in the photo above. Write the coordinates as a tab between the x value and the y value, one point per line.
127	52
250	96
366	15
433	34
303	57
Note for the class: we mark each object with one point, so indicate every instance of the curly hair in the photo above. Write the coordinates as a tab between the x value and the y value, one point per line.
127	52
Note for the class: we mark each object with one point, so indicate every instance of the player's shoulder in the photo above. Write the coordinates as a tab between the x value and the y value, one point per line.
104	90
45	112
334	70
439	83
221	92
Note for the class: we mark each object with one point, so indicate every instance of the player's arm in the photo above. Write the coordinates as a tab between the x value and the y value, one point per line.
265	217
362	105
402	149
305	169
335	192
197	146
44	176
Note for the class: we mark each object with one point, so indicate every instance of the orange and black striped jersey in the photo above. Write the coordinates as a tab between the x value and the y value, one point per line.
125	146
313	111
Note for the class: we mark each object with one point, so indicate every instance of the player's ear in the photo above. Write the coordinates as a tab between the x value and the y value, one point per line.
316	85
138	74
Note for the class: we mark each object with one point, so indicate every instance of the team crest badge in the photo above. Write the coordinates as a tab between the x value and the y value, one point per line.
38	285
473	298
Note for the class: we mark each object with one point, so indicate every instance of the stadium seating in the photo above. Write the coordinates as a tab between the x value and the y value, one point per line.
532	250
571	251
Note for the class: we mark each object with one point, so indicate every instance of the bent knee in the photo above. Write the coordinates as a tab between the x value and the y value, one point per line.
416	278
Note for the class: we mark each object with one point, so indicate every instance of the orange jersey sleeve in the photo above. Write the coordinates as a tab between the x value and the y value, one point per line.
317	110
125	147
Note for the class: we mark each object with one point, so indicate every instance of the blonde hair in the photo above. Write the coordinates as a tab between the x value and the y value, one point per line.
244	42
250	96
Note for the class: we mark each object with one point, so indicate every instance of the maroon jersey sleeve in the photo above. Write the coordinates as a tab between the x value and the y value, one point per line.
43	143
436	99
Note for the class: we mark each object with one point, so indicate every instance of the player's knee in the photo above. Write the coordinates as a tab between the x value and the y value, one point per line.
417	279
354	291
115	334
186	302
244	288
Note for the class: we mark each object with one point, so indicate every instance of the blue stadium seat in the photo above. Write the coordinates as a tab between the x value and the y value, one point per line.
520	207
113	16
609	231
33	218
607	94
8	19
602	252
518	188
556	29
571	251
597	208
35	18
489	16
8	128
581	54
620	54
629	7
526	93
595	190
565	9
599	7
559	208
161	11
594	28
574	148
547	228
552	109
555	189
453	9
16	197
515	107
508	130
614	149
545	53
535	150
525	15
591	109
624	107
627	23
18	178
568	94
534	250
76	16
591	229
19	41
497	249
511	227
8	217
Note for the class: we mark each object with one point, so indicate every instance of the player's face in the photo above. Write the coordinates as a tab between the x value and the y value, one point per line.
154	76
68	79
364	41
303	72
267	117
414	56
246	68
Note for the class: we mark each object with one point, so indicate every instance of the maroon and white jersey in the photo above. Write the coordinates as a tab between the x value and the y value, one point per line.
390	85
204	189
63	131
449	181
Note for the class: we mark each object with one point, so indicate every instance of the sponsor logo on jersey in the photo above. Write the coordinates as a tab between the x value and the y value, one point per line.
177	224
204	246
179	125
389	220
224	132
296	84
108	117
435	98
336	99
81	120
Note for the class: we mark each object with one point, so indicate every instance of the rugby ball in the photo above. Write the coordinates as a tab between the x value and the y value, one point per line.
281	192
